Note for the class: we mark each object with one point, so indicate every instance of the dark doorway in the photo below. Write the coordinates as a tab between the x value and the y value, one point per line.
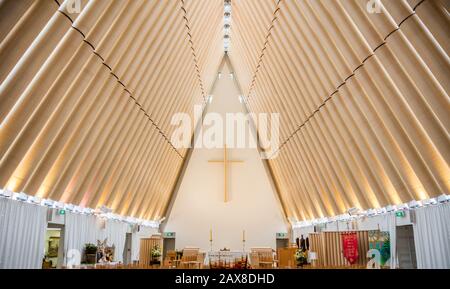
406	250
282	243
168	245
127	249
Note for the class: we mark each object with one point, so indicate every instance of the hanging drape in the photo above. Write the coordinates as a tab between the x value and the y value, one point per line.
22	234
432	237
83	229
79	231
115	232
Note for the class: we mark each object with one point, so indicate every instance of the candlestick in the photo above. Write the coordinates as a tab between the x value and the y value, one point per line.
211	239
243	241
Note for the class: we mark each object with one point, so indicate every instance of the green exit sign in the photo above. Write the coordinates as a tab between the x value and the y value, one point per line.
61	212
169	235
282	236
400	214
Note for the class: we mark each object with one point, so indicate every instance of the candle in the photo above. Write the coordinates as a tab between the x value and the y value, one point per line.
210	235
243	236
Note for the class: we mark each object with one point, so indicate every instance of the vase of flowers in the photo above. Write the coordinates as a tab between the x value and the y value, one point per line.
156	254
301	257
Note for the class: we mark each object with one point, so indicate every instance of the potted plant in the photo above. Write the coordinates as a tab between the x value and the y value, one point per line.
156	254
90	250
301	257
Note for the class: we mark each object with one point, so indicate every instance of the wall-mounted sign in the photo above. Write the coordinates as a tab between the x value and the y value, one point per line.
282	236
400	214
169	235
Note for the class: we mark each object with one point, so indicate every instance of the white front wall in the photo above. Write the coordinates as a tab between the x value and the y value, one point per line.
199	205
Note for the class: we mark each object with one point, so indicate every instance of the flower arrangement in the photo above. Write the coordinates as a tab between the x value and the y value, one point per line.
301	257
156	252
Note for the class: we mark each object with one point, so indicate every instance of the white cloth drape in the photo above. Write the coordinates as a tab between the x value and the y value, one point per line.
391	227
83	229
22	234
23	227
432	237
115	232
79	230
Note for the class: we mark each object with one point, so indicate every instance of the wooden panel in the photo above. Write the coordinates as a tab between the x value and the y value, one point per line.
145	251
286	258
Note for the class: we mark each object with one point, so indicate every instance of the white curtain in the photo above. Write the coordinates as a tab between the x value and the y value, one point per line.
432	237
115	232
79	230
83	229
390	226
22	234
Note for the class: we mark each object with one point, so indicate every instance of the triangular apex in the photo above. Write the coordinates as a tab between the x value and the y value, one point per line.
225	197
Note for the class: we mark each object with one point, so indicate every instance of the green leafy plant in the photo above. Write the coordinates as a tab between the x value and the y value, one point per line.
90	249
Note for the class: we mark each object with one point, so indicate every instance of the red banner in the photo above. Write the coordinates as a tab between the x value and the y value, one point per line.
350	246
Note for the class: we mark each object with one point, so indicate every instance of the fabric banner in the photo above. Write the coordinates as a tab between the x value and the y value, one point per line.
350	247
381	241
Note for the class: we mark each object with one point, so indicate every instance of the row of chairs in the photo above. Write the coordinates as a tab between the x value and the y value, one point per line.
238	263
263	260
190	259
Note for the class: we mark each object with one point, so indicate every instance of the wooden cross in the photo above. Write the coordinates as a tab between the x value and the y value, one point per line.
225	163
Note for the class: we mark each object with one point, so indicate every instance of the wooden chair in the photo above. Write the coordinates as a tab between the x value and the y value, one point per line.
254	260
190	258
262	258
201	259
241	263
266	260
170	259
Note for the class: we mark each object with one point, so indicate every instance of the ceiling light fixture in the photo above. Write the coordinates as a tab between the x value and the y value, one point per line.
227	25
6	193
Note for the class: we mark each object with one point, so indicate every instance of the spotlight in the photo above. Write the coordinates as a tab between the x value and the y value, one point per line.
105	210
390	208
69	207
353	211
35	200
414	204
443	198
48	203
20	197
6	193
